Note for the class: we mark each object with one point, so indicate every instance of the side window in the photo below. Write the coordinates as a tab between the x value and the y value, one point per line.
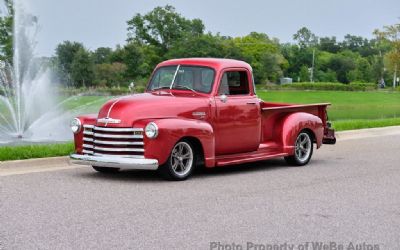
234	83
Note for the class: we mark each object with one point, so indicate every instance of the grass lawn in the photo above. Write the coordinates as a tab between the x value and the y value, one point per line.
35	151
349	110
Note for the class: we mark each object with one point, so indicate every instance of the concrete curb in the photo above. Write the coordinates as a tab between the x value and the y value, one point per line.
63	161
367	133
44	162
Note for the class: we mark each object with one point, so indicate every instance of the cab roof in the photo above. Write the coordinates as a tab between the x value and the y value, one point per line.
216	63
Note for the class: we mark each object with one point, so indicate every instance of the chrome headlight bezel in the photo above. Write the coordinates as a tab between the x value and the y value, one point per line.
76	125
151	130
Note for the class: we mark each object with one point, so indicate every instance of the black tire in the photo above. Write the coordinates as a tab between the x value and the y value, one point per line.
106	170
180	163
303	150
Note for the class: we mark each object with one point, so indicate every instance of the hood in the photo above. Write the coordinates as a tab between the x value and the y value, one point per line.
130	109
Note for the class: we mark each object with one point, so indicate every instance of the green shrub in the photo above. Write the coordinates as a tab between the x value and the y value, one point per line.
356	86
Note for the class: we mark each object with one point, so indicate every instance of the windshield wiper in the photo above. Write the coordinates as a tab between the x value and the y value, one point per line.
185	87
173	79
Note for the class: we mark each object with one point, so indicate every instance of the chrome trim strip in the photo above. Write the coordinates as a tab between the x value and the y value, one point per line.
101	135
87	146
118	129
114	162
119	149
87	139
87	151
87	133
124	156
118	143
88	126
108	120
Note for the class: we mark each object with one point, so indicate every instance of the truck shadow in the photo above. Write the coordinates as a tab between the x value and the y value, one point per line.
200	173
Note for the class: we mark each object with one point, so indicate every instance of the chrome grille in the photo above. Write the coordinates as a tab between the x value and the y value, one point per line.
123	142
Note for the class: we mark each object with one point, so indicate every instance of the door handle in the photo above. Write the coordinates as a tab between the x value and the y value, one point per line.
252	103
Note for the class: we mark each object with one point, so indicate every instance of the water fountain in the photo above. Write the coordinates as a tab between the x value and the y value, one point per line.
30	109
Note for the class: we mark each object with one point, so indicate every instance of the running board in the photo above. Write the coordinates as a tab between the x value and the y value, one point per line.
259	155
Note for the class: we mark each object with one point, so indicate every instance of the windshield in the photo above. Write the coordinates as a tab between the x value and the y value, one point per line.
194	78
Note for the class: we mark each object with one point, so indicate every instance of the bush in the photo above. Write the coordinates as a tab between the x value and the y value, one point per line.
324	86
96	91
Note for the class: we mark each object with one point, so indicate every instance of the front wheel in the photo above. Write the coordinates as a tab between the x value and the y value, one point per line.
303	150
180	163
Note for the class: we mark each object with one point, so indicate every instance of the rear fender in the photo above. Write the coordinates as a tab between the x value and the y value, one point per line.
171	130
296	122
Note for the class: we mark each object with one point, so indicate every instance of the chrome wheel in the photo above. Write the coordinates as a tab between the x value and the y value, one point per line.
303	147
182	159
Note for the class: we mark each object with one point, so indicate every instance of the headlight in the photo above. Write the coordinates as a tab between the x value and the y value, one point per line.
151	130
76	125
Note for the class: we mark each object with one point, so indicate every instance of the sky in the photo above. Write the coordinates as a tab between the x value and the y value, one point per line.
102	23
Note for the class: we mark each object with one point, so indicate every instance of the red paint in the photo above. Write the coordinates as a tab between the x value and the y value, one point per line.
244	129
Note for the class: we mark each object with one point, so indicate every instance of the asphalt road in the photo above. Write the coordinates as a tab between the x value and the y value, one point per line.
350	193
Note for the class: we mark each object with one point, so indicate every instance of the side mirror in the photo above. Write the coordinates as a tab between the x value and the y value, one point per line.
223	98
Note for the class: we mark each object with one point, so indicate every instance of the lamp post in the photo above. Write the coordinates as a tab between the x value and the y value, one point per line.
312	66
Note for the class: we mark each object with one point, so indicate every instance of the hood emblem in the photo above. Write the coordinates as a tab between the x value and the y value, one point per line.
108	120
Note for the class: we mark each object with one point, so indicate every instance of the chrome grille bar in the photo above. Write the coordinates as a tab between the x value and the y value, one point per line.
126	156
87	152
128	143
114	142
101	135
115	130
119	149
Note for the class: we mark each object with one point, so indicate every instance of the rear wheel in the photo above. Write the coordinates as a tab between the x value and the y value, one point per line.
180	163
303	150
106	170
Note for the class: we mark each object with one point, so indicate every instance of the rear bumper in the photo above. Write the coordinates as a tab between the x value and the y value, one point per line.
329	136
114	162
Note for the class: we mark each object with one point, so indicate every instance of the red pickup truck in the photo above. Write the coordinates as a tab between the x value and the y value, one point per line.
197	111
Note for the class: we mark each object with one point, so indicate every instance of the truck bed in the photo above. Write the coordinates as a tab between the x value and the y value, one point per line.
273	113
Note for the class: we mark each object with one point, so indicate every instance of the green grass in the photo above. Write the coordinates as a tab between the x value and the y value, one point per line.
349	110
35	151
359	124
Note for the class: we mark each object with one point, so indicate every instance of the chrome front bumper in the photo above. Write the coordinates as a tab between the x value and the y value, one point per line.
114	162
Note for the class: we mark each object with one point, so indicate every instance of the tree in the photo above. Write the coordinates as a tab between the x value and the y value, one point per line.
329	44
305	38
133	59
109	74
304	74
82	68
263	54
342	64
6	32
102	55
392	34
205	45
161	27
65	55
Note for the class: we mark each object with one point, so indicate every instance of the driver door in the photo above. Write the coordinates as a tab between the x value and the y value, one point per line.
238	118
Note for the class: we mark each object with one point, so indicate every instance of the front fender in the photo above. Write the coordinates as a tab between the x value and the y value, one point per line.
171	130
78	138
296	122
